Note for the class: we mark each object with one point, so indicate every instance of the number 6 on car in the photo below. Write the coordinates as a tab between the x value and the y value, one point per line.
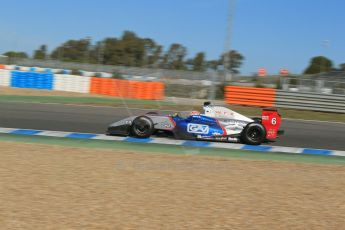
271	120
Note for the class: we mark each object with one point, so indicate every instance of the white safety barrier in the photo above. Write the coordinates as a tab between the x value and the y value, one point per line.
71	83
56	71
39	69
10	67
5	77
87	74
104	75
24	68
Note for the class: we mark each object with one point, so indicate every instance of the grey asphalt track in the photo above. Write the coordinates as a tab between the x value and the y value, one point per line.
93	119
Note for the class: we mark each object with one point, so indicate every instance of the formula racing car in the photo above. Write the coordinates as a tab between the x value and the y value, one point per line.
216	123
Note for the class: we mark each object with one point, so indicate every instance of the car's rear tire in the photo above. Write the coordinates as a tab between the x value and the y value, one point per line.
142	127
253	134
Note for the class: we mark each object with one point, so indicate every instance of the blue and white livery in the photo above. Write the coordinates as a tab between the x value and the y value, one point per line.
216	123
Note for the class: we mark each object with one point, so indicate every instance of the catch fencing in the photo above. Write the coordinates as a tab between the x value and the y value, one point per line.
251	96
326	85
124	70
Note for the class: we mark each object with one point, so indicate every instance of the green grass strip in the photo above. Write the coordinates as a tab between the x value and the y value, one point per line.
171	149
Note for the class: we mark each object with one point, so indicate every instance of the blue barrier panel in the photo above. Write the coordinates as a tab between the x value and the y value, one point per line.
32	80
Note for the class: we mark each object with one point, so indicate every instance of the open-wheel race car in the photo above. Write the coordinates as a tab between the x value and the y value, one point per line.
216	123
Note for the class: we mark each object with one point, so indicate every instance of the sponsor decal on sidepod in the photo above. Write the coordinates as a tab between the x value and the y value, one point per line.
197	128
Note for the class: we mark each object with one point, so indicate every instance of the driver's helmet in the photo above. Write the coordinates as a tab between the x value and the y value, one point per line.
193	113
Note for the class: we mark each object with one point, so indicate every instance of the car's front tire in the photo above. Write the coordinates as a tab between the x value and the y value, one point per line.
253	134
142	127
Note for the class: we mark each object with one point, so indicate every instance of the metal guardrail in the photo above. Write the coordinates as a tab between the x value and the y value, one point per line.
311	101
252	96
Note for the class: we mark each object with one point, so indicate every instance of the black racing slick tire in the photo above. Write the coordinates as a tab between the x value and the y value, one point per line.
253	134
142	127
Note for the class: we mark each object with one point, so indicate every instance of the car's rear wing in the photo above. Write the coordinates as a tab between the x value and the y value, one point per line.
271	120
